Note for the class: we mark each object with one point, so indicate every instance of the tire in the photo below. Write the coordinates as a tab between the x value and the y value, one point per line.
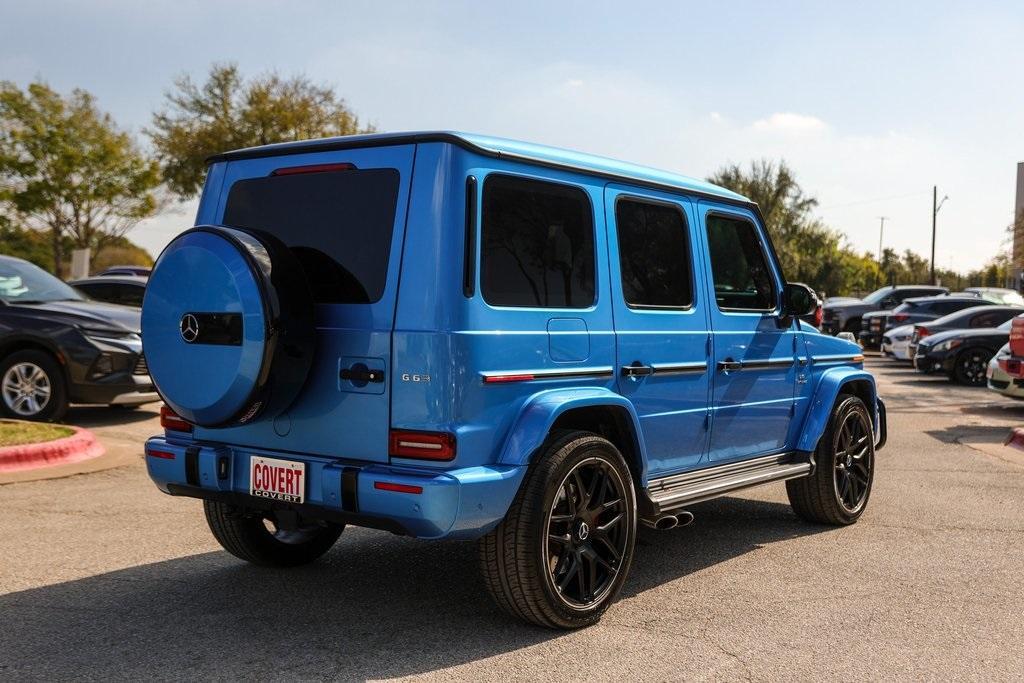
559	524
970	367
837	491
49	393
247	537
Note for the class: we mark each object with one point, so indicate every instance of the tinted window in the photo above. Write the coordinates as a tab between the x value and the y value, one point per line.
338	224
738	265
654	256
99	292
537	244
129	295
991	318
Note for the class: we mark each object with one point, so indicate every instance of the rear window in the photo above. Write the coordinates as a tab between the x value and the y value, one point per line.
338	223
536	244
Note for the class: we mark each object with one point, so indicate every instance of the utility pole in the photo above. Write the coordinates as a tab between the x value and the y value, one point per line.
936	205
881	231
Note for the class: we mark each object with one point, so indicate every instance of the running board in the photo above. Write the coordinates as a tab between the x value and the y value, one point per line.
673	492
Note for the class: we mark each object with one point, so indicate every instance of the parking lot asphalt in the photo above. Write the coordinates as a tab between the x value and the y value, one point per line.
101	576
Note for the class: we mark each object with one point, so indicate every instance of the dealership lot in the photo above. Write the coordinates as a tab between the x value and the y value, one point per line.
103	576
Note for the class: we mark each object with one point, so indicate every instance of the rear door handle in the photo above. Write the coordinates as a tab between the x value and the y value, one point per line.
637	369
359	373
729	365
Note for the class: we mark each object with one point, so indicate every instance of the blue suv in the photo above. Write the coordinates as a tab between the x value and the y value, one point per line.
455	336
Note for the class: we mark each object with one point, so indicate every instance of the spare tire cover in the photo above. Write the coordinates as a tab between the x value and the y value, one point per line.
227	326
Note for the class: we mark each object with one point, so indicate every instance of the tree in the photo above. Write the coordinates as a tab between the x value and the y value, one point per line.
227	112
810	251
66	168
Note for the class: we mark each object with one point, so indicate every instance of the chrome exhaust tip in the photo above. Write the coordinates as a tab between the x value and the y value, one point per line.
663	523
666	522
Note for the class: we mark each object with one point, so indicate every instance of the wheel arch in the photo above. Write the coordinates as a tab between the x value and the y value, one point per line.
833	382
13	345
594	410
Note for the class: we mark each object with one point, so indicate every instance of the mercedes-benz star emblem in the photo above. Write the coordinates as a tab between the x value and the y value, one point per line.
189	328
584	531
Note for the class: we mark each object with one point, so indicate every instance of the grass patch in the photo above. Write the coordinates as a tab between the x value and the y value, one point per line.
16	433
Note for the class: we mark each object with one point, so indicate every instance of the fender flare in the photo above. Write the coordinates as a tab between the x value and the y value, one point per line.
829	386
540	411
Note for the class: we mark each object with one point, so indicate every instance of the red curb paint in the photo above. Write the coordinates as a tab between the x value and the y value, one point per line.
82	445
1015	439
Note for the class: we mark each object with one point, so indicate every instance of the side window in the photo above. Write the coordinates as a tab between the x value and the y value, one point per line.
654	254
740	270
536	244
990	319
130	295
99	292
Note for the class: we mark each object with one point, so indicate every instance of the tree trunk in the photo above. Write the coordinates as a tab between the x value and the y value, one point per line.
58	252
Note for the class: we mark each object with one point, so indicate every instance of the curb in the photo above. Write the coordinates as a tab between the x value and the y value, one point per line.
82	445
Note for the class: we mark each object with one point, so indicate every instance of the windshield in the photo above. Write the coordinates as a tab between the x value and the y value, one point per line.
22	282
877	295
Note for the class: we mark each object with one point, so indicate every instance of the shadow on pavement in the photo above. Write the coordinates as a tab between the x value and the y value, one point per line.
376	606
106	416
995	434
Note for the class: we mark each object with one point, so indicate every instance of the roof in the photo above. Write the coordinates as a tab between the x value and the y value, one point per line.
114	279
503	149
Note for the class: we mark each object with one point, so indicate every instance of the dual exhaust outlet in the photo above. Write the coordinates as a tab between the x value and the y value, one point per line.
668	521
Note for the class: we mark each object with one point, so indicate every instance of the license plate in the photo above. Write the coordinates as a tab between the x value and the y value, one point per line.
283	480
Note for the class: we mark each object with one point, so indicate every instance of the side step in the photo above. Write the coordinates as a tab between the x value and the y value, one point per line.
669	493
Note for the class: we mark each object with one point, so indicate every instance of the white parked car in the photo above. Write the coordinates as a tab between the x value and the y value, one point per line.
896	342
998	380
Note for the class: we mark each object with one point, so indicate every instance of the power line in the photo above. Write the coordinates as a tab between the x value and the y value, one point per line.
869	201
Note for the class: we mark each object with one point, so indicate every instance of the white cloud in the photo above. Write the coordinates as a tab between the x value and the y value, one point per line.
791	123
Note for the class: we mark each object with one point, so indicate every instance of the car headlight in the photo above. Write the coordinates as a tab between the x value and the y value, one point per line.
947	345
114	340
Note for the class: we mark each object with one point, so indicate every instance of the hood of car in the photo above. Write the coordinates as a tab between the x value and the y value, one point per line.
975	333
849	307
85	313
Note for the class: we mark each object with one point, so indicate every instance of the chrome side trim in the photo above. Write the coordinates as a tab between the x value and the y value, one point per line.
765	363
536	375
696	367
839	358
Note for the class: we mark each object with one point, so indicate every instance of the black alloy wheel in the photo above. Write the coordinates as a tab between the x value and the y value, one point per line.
971	367
854	460
836	491
562	553
587	534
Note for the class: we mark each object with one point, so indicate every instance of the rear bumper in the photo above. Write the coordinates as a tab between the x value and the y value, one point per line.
459	503
125	389
870	339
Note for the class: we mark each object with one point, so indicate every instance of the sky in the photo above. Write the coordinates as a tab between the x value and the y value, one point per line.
870	103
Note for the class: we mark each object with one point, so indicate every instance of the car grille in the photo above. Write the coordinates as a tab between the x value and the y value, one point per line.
141	368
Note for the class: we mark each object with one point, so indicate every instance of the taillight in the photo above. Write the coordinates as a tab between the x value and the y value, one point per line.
172	421
900	317
397	488
422	445
313	168
164	455
922	332
819	315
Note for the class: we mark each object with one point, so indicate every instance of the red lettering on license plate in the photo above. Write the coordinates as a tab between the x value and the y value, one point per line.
283	480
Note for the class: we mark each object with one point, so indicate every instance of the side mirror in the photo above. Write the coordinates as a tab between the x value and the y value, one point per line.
798	299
